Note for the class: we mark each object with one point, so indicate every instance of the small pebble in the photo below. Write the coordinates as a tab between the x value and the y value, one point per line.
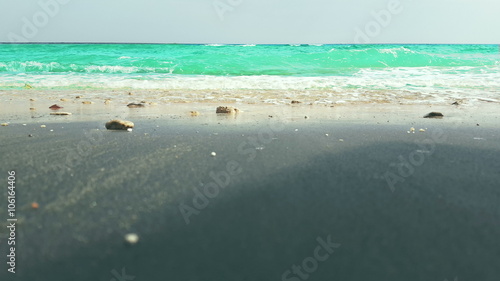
60	113
131	238
135	105
5	124
35	205
421	130
226	109
43	126
87	102
55	106
117	124
434	114
296	130
30	135
327	135
341	139
129	129
213	154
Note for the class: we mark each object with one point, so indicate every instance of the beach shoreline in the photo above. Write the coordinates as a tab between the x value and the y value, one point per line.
33	106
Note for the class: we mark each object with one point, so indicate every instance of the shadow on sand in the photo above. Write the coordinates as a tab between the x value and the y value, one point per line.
441	222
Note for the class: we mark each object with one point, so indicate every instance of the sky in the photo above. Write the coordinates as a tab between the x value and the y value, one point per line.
251	21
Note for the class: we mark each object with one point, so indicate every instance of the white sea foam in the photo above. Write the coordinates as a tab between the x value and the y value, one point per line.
424	83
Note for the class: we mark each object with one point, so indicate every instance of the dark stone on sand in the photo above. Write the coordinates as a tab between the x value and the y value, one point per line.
117	124
135	105
226	109
455	103
434	115
55	107
295	102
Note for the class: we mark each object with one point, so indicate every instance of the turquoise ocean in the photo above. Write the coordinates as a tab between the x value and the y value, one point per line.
458	71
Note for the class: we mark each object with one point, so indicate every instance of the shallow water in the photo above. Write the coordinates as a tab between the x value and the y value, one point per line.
461	71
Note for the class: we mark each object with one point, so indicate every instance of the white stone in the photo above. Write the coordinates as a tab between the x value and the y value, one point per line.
131	238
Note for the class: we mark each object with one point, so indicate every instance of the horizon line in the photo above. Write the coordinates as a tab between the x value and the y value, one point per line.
311	44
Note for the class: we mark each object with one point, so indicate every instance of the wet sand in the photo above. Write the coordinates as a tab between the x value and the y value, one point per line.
402	206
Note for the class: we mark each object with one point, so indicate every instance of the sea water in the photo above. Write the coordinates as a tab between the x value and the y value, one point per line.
329	71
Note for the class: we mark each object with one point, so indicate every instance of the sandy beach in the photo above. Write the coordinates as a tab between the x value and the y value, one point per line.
248	196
